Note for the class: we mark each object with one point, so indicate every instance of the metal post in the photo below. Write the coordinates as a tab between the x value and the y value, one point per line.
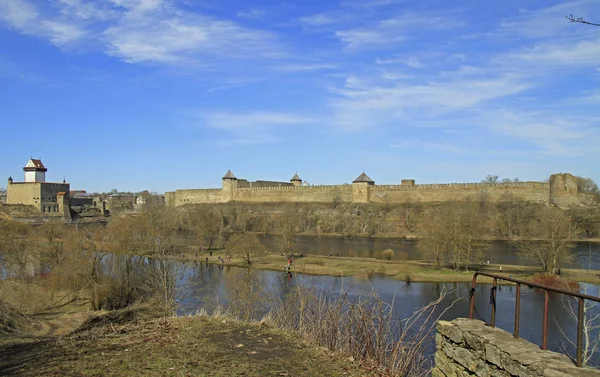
472	303
494	302
580	320
545	322
517	310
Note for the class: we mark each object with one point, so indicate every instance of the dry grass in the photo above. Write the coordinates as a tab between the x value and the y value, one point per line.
184	346
417	271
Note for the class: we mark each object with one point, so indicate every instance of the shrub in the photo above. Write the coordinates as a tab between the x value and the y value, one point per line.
388	254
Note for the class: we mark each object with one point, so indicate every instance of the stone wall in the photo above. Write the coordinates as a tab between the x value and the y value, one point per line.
299	194
523	191
561	190
42	196
467	347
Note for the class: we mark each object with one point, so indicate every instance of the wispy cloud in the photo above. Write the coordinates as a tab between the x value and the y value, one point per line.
393	30
253	127
25	18
252	121
138	31
413	144
319	20
304	67
254	14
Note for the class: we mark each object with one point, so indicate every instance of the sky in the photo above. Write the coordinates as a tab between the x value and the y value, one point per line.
170	94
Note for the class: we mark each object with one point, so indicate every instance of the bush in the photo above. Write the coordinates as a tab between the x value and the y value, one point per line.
388	254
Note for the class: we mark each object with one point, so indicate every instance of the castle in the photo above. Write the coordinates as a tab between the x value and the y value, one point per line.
560	190
50	198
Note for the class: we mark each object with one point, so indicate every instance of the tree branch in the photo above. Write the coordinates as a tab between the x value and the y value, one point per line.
580	20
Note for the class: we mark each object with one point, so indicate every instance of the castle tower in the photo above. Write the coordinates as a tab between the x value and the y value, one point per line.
360	188
296	181
35	171
229	186
563	189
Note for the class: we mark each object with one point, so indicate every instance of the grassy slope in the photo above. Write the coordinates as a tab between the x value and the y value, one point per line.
184	346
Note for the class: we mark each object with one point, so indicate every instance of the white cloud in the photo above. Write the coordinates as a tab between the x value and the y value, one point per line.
409	61
580	54
253	14
26	18
17	14
304	67
139	30
318	20
253	121
417	144
393	30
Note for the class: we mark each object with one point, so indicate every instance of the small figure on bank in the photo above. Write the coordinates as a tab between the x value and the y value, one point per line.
500	268
228	258
210	253
206	260
488	261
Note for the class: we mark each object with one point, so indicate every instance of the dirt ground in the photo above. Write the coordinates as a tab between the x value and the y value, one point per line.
127	345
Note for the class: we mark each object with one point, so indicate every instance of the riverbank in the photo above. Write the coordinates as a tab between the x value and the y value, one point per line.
130	343
417	271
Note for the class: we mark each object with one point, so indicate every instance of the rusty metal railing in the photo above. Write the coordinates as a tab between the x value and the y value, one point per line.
547	290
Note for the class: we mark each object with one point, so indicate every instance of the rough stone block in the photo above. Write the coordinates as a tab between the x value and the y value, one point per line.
467	359
484	351
447	366
450	331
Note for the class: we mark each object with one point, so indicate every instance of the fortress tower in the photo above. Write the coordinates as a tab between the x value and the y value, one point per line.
296	180
360	188
229	185
35	171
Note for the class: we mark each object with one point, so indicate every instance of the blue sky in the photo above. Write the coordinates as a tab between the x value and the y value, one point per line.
167	94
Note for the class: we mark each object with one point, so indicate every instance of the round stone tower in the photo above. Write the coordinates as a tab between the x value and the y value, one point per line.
296	180
229	186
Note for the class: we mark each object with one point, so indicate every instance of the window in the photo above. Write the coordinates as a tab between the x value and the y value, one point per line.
43	208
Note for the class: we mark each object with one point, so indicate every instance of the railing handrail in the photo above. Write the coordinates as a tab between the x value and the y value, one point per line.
531	284
581	297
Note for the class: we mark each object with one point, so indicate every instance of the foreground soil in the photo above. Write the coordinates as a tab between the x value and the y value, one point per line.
126	344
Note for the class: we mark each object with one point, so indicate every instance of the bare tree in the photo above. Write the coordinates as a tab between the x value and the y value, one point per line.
288	223
512	215
555	231
433	241
490	178
245	245
590	325
587	185
454	233
580	20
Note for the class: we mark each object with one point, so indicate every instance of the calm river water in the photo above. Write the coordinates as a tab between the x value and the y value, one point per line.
209	284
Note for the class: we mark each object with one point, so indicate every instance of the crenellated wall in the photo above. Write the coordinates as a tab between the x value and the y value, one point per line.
467	347
561	190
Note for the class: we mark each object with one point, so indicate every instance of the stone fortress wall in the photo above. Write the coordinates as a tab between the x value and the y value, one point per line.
561	190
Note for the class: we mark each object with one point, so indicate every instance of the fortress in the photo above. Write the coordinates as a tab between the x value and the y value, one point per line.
52	199
560	190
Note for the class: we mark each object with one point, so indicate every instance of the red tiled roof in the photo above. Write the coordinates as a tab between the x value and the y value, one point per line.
60	193
38	163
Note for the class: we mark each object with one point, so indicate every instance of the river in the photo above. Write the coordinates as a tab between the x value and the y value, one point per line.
209	284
